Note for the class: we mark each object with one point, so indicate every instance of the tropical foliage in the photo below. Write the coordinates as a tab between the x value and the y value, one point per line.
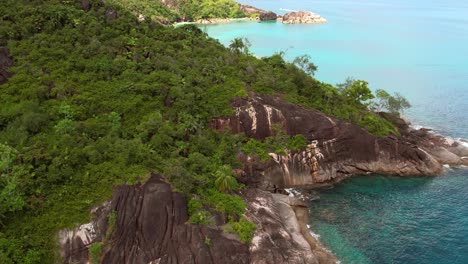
103	97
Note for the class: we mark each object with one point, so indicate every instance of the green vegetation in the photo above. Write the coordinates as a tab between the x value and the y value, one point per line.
148	9
224	179
394	104
95	251
186	10
243	228
97	100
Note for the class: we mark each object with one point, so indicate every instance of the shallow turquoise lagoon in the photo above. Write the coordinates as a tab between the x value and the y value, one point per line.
414	47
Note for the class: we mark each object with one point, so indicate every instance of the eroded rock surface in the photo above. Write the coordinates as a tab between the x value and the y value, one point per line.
282	235
443	149
302	17
339	148
150	227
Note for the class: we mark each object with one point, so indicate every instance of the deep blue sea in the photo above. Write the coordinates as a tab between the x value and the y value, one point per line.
414	47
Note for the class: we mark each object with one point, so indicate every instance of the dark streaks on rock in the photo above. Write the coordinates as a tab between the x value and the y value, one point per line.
151	228
345	148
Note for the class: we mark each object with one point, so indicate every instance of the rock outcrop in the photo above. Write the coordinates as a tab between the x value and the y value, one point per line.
302	17
150	226
6	61
268	16
443	149
262	14
282	235
336	148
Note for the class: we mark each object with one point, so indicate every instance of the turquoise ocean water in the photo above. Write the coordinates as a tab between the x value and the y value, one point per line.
414	47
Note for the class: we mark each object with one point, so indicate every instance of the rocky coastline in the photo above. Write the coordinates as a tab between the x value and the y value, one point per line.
151	220
256	14
150	226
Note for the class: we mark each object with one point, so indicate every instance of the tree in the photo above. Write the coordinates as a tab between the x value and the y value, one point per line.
394	104
11	199
304	62
239	45
7	157
357	91
224	179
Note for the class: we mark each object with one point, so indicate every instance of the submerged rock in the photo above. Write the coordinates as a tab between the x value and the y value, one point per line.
302	17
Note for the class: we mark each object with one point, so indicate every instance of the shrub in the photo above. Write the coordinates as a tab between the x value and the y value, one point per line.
95	251
243	228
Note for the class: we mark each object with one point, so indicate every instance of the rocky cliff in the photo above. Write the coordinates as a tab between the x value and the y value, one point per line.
336	148
148	224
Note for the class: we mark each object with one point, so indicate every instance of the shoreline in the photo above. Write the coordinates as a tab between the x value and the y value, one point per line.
300	19
216	21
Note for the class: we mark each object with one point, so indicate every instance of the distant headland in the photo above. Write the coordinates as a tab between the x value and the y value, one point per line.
256	14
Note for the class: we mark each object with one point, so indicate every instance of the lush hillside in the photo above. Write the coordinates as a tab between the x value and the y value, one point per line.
181	10
101	97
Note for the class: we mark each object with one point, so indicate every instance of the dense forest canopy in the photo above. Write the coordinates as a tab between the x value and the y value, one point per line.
182	10
101	97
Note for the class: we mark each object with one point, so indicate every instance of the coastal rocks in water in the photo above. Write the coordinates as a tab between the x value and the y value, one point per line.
302	17
444	149
282	235
6	61
150	227
336	148
268	16
148	224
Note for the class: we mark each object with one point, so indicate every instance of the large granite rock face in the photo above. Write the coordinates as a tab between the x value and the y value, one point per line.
282	235
302	17
337	148
6	61
150	227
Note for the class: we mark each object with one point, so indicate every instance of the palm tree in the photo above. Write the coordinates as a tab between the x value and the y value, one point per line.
224	179
239	45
